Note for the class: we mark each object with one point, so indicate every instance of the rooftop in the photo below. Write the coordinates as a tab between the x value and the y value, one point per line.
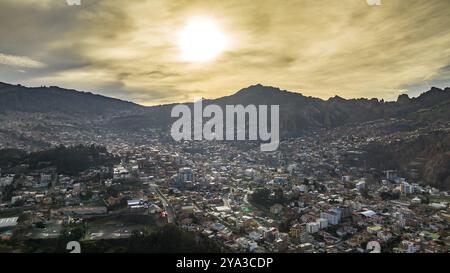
8	222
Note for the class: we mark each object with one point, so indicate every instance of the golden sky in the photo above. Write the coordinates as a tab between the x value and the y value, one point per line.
130	49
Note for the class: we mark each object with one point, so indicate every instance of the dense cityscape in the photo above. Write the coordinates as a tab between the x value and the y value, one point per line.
316	194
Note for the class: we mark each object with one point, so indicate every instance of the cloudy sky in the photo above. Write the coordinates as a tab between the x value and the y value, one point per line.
132	50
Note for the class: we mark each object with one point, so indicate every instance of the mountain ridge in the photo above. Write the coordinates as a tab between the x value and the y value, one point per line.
258	88
298	113
56	99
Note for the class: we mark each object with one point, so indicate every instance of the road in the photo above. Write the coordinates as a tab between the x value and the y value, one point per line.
167	206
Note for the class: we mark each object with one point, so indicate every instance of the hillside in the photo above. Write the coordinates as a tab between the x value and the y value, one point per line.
300	114
58	100
37	118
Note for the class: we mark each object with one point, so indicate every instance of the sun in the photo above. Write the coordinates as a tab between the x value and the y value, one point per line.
201	40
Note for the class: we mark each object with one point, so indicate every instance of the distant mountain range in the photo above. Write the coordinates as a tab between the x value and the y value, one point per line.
298	113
